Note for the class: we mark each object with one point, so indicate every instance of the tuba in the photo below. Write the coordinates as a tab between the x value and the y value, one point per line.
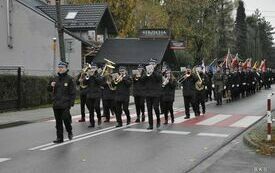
106	72
84	75
150	69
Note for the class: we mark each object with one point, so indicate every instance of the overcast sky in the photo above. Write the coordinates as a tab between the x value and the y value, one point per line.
267	8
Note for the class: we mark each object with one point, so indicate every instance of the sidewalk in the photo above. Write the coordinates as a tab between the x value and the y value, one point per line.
10	119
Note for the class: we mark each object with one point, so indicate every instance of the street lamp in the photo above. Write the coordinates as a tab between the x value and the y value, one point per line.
54	54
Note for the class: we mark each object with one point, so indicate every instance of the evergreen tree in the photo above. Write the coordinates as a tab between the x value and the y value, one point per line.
241	31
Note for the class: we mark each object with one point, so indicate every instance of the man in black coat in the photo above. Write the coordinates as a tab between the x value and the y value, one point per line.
152	81
139	93
200	93
94	82
83	92
168	94
188	90
122	95
63	96
108	96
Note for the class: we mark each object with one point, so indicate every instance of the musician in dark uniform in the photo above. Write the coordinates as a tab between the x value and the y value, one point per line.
235	84
122	95
139	93
63	96
218	80
208	85
83	91
188	89
200	92
228	79
108	96
243	79
169	84
152	80
94	81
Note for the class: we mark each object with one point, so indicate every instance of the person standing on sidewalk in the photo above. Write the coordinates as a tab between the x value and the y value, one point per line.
63	96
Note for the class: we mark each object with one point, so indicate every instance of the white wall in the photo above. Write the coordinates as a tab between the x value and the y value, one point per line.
32	41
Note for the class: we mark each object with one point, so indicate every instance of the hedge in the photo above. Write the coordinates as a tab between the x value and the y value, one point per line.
33	90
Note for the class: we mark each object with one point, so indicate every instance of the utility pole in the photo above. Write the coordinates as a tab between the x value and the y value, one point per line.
60	30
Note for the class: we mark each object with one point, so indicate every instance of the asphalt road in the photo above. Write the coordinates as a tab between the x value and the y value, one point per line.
173	148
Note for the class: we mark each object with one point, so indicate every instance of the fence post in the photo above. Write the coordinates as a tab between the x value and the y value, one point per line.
269	119
19	88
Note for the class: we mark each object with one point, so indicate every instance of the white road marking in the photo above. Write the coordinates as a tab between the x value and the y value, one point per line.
75	137
137	130
214	120
213	135
174	132
181	119
4	159
246	121
86	137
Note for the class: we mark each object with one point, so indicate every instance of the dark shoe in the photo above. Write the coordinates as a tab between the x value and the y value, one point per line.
91	126
143	118
58	141
172	120
150	128
158	125
107	121
70	136
186	117
119	125
81	120
165	122
137	120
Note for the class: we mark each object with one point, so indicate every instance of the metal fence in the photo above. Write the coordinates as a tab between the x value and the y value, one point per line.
12	103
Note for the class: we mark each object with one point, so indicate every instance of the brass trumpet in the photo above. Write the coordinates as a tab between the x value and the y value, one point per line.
119	78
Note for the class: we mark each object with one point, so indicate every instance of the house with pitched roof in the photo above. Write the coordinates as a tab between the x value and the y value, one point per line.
28	30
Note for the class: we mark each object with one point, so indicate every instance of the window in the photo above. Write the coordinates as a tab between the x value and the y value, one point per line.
71	15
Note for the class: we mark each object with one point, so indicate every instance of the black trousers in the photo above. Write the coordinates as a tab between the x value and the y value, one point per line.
83	102
153	102
168	107
140	107
108	106
200	101
122	105
94	105
62	116
189	100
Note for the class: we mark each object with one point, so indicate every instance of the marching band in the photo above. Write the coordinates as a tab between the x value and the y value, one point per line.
154	86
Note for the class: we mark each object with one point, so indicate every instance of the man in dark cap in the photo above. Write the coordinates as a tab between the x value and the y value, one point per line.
152	80
188	90
63	96
139	93
94	82
122	95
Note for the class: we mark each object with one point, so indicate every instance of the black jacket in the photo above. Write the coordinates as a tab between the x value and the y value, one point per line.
122	92
107	93
168	92
83	91
139	88
64	92
94	83
152	84
188	86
